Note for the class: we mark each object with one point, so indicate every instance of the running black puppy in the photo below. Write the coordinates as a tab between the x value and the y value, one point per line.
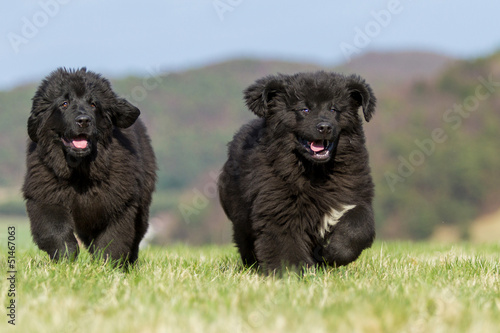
297	184
91	169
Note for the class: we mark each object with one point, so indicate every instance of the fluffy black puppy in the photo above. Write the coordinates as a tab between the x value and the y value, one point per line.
297	183
91	169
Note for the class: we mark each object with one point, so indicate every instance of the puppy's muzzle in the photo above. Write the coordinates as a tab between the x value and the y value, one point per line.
324	127
83	121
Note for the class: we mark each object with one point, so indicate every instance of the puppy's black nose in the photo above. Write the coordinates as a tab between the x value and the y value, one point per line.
83	121
324	128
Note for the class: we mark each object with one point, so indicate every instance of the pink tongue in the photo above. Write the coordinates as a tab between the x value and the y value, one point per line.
80	143
317	146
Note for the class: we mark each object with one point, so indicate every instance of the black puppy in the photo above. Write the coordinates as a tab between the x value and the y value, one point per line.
91	169
297	184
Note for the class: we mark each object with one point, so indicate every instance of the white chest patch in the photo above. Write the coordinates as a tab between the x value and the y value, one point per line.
332	218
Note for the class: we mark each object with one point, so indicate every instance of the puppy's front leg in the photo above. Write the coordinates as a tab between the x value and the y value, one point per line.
52	229
354	233
117	242
277	248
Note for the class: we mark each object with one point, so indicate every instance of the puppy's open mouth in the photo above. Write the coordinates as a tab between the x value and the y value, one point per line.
318	149
78	143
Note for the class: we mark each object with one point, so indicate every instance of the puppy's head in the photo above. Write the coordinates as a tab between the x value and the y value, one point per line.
311	110
74	109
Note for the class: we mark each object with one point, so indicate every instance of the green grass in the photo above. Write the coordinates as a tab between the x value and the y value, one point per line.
393	287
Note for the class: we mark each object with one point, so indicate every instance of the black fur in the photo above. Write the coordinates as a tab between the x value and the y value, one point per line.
304	157
91	169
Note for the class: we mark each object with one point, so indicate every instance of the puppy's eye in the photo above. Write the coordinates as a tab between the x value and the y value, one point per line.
333	109
304	110
64	105
92	105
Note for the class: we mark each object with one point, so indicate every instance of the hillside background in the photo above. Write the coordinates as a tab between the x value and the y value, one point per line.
433	143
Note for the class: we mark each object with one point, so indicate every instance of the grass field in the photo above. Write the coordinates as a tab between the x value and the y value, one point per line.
393	287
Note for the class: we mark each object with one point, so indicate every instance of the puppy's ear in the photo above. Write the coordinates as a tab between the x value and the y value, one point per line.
33	123
123	113
363	95
259	95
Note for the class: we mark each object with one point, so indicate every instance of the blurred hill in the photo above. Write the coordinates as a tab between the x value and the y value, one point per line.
387	70
433	140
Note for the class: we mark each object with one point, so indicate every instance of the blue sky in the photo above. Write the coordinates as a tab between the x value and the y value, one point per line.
124	37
